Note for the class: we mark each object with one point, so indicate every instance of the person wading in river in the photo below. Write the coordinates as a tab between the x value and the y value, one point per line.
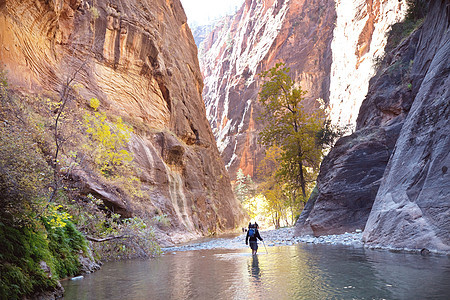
252	236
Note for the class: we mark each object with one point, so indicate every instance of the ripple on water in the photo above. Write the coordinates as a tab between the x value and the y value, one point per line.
304	271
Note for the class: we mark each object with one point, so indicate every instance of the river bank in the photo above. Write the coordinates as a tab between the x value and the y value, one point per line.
285	237
275	237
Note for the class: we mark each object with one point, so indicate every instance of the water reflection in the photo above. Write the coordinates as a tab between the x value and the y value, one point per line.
254	270
295	272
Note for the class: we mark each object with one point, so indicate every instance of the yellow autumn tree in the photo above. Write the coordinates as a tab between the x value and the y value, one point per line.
107	140
290	127
271	187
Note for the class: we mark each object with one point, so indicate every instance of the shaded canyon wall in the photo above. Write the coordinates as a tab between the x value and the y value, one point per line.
412	207
390	176
140	60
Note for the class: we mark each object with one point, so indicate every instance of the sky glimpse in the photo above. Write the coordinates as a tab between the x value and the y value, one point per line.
202	12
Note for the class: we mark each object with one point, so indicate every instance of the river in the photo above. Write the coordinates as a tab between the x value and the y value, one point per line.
301	271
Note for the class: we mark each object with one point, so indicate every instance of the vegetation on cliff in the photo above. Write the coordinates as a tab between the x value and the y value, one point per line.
38	247
47	217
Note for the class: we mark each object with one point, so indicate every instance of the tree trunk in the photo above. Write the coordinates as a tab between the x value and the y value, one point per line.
302	180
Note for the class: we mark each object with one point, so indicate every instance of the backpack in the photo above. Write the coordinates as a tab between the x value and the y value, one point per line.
251	232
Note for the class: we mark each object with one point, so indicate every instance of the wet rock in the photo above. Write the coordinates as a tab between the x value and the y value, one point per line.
88	265
424	252
48	295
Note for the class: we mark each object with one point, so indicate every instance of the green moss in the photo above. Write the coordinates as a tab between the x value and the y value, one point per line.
24	248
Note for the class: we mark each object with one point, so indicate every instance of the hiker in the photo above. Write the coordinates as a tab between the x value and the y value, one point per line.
252	235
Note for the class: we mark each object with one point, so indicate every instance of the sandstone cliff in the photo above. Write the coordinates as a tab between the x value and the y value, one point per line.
359	39
412	207
390	176
329	45
140	60
350	174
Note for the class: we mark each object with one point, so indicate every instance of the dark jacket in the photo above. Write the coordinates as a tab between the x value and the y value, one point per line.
253	238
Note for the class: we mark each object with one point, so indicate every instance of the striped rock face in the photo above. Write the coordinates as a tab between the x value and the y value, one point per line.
140	60
330	47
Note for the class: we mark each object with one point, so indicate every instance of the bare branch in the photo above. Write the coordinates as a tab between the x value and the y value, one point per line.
93	239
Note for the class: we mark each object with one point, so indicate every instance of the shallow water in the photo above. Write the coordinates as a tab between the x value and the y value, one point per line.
301	271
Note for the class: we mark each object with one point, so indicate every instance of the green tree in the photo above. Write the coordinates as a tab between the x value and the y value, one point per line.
240	188
291	128
244	186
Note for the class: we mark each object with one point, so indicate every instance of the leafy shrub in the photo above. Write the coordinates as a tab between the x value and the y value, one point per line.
25	176
134	237
416	12
24	172
417	9
31	234
65	243
162	219
3	79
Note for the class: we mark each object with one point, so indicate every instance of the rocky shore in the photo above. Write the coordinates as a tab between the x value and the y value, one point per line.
276	237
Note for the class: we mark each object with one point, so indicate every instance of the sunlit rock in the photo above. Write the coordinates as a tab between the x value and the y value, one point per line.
261	34
140	60
359	39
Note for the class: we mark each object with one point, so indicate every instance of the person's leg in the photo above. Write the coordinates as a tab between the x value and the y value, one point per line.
254	247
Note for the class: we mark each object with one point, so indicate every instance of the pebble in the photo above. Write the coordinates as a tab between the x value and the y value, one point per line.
276	237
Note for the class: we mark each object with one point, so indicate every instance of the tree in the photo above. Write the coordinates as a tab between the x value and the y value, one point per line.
291	128
244	188
107	141
270	187
240	188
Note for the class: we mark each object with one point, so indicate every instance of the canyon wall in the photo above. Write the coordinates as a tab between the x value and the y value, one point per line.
140	60
412	206
393	167
261	34
390	176
359	39
329	45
